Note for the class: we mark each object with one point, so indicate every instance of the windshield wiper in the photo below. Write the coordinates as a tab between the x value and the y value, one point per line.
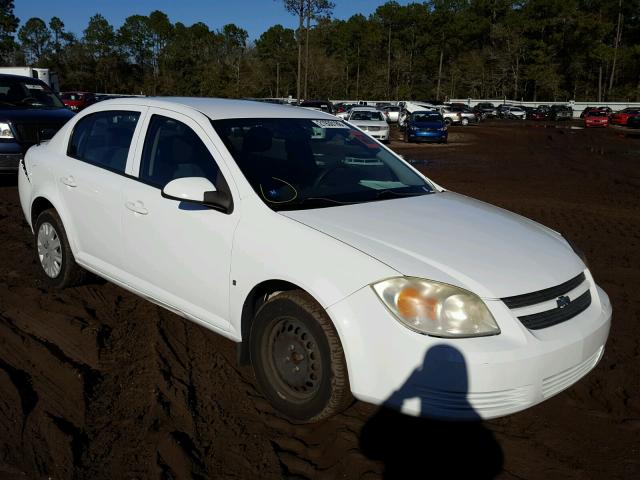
386	194
312	202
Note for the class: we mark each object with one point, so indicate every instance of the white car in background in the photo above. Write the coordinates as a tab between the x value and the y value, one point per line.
336	266
391	113
371	121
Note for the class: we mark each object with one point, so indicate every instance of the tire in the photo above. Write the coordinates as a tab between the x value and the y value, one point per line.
312	386
464	121
56	261
448	121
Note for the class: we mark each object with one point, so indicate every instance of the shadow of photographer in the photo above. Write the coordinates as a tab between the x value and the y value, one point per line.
415	447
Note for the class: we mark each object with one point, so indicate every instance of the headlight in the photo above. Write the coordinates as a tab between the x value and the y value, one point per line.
435	308
5	131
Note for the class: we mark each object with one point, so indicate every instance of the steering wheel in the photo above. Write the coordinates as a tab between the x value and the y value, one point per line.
320	178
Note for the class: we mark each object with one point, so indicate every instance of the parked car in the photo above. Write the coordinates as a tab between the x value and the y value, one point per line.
502	109
584	113
30	112
337	267
634	122
322	105
78	101
426	126
370	120
538	115
560	112
517	113
596	118
486	110
450	116
465	117
391	113
623	116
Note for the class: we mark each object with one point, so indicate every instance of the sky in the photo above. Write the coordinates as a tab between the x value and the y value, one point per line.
255	16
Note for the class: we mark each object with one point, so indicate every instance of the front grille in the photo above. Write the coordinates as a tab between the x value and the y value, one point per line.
33	132
373	129
536	321
540	296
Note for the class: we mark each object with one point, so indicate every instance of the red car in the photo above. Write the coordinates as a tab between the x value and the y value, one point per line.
77	101
596	118
538	115
621	117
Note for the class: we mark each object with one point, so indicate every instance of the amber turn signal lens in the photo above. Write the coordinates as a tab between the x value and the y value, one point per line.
411	304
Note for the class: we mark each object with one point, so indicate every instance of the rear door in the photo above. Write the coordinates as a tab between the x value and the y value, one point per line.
90	181
179	253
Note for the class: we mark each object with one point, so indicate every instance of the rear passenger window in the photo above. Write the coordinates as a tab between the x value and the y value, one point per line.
104	138
172	150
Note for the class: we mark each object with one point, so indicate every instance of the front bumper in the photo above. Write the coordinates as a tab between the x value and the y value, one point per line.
9	161
382	135
431	136
11	152
470	378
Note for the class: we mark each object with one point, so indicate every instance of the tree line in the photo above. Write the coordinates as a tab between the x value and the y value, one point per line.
520	49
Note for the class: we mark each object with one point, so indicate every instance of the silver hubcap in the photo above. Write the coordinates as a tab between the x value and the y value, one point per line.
49	250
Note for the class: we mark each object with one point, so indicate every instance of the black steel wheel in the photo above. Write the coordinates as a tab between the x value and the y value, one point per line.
298	358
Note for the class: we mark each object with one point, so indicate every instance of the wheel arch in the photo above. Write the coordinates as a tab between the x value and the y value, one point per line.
42	202
256	297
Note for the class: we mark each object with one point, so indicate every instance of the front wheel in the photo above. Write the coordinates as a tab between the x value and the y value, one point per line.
464	121
298	359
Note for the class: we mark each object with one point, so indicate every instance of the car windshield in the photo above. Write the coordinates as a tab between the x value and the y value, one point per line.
366	115
71	96
426	117
295	163
25	93
598	113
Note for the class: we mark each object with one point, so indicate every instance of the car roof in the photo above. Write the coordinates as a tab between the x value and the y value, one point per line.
221	108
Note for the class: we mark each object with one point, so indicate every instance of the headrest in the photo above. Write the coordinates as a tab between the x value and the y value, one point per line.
257	139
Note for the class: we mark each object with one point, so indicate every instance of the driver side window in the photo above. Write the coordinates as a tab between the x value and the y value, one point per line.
173	150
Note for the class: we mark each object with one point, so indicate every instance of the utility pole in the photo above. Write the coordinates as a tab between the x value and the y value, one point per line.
615	49
306	46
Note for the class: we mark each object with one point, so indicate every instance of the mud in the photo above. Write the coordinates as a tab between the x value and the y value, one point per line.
96	383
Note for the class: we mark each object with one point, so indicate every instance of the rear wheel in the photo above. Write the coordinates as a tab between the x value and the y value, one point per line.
298	358
55	258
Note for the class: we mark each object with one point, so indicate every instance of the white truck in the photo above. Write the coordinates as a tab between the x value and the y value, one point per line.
44	74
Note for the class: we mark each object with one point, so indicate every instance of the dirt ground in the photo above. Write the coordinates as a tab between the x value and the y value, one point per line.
96	383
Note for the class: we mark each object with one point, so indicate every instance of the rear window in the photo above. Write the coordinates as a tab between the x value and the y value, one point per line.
103	139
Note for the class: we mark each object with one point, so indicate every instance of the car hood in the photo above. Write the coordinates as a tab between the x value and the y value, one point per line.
36	114
453	239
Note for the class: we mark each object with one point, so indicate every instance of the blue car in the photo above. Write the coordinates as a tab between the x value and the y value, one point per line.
426	126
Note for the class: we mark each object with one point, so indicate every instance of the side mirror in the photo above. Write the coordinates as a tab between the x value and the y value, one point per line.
198	190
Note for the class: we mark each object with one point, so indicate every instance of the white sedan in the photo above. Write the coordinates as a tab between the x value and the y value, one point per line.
337	267
371	121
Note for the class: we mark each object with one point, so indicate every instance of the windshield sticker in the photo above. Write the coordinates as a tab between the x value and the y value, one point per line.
329	124
34	86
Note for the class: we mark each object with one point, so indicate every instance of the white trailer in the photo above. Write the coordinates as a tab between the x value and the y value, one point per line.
44	74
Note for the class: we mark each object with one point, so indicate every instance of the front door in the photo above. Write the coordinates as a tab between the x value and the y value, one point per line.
180	253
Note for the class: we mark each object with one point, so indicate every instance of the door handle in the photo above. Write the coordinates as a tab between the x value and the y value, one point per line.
137	207
69	181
